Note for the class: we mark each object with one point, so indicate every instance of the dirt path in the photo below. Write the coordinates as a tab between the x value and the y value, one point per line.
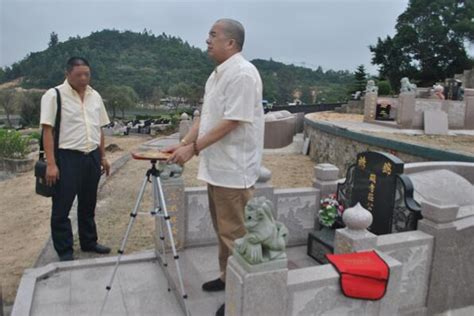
288	171
334	116
115	202
117	198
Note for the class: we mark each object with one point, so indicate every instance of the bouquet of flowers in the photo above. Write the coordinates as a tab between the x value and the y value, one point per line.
331	211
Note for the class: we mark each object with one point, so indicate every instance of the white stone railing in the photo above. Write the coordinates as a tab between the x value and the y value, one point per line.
296	208
312	290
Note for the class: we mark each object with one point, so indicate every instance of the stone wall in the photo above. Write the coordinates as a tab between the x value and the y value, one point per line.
17	165
464	169
198	223
296	208
341	151
468	79
454	109
409	256
352	106
452	272
316	291
414	250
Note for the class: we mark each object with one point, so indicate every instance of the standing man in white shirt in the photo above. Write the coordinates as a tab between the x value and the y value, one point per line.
80	159
229	138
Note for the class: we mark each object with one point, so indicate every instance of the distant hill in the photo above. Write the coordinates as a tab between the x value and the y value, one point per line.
145	62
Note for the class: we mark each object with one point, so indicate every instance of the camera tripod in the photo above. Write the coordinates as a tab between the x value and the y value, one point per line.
159	209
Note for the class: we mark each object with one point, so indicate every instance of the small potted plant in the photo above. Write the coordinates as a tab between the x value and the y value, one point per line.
330	213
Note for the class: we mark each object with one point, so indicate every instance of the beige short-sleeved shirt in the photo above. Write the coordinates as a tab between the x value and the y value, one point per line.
81	122
233	92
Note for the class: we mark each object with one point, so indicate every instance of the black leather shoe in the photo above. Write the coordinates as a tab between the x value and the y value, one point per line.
221	310
98	248
66	257
214	286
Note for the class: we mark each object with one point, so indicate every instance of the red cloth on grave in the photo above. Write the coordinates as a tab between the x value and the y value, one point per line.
363	275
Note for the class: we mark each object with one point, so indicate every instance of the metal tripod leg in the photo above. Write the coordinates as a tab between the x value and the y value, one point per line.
159	214
157	183
133	215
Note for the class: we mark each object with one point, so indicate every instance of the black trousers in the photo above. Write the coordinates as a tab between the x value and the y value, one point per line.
79	174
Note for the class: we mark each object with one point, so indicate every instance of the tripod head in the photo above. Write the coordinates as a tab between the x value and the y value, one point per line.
152	155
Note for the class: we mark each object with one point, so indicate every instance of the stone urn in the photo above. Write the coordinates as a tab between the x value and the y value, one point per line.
357	218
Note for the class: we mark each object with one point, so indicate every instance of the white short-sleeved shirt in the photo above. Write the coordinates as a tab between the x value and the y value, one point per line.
81	122
233	92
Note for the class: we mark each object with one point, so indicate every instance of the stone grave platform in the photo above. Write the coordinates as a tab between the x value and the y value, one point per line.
140	286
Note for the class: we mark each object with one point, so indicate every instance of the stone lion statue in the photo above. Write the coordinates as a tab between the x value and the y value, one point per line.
371	87
407	86
266	238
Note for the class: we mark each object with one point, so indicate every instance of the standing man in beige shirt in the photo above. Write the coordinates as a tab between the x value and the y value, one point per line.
229	138
80	160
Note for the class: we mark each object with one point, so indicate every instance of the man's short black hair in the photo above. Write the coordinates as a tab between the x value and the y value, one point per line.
76	61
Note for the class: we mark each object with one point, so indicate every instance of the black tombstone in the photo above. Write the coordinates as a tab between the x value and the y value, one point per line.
382	112
452	90
374	187
376	181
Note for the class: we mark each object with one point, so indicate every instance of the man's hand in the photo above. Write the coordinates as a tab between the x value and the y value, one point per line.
182	154
171	149
52	174
105	166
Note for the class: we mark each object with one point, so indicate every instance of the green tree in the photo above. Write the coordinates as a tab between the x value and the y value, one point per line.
307	95
360	79
119	98
30	108
179	93
156	96
429	42
196	93
2	75
53	39
384	87
393	63
145	61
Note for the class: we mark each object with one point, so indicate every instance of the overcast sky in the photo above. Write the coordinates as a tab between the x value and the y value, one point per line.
332	33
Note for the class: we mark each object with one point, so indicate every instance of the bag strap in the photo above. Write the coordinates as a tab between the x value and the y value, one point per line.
57	125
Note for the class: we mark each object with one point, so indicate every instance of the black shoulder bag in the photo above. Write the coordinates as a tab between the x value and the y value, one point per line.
40	167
